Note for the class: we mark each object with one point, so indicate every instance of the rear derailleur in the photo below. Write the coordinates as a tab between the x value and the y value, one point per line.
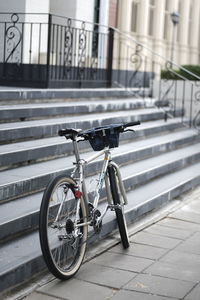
95	217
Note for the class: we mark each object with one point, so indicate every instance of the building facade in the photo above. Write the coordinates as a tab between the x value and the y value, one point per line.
150	23
61	42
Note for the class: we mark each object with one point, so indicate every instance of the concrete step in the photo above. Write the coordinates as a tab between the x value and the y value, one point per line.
32	178
22	214
160	161
28	152
49	127
22	112
26	95
21	258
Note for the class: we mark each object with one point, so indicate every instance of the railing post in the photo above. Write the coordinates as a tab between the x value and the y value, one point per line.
144	77
191	105
110	56
175	98
48	49
4	51
183	102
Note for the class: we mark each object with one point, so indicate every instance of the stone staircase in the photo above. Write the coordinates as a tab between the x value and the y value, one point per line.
160	161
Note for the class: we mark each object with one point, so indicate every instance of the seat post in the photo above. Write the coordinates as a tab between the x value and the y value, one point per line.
75	147
80	169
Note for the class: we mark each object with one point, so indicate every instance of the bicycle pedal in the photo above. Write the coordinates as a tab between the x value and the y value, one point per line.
90	209
62	237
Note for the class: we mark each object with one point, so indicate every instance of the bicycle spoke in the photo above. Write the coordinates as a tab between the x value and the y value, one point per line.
65	243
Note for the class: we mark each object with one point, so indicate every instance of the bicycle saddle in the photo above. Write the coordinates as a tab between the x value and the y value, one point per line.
69	131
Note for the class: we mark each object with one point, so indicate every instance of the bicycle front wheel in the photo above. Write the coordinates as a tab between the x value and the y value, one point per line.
63	235
121	221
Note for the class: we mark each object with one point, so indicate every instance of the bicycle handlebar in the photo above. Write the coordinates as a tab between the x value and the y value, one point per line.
131	124
70	133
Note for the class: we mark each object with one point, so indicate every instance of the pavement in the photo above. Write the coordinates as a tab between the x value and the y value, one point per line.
162	262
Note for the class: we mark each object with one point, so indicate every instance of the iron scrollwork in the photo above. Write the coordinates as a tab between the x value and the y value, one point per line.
68	44
136	60
169	86
196	119
94	62
13	40
136	57
82	51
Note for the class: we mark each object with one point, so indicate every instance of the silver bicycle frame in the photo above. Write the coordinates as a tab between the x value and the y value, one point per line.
103	175
81	163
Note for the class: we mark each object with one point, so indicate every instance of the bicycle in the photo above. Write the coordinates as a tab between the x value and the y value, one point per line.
66	211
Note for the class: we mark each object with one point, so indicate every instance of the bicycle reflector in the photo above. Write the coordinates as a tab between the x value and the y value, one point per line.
77	194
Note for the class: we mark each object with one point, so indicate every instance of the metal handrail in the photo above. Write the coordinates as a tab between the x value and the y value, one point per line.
193	119
130	38
122	33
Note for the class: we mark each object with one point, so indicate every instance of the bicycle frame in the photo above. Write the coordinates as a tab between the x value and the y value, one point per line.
103	175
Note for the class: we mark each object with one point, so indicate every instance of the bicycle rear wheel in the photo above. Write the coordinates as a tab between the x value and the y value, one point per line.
62	238
121	221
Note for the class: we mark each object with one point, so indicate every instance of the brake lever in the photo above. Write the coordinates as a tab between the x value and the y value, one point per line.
129	130
81	140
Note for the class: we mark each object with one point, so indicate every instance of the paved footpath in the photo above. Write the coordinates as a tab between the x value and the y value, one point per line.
163	262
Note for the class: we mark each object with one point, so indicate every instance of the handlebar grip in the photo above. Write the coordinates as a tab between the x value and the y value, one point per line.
132	124
62	132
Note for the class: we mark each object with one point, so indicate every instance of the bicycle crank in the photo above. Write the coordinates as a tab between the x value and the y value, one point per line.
96	221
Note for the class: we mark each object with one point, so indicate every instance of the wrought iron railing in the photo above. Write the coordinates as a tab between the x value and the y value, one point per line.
23	42
53	51
142	77
50	50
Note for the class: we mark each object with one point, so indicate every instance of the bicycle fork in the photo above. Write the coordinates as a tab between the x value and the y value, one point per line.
123	198
121	190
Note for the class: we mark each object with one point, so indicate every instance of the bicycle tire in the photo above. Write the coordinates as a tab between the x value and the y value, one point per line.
63	245
120	216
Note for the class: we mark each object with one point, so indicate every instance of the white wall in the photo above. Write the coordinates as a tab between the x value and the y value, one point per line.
76	9
66	8
28	6
85	10
12	6
37	6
